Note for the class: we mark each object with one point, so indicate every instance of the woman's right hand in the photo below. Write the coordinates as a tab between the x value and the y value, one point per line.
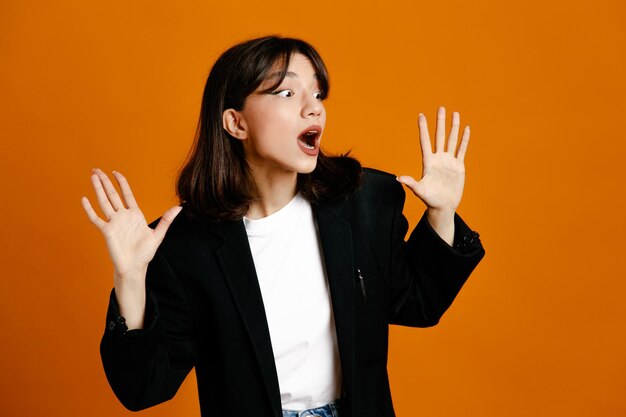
130	241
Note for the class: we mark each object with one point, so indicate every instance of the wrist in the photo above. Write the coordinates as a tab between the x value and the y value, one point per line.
442	222
130	275
437	215
131	300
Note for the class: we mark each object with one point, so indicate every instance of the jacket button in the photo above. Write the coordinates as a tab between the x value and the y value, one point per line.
467	240
470	238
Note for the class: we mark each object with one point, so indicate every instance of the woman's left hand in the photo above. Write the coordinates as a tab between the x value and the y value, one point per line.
443	172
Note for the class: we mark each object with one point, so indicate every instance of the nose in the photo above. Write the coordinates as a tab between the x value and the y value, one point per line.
312	107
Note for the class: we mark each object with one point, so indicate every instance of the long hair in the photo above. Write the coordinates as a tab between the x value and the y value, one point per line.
215	181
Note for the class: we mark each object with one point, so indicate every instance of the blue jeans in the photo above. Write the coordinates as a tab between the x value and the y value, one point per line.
332	409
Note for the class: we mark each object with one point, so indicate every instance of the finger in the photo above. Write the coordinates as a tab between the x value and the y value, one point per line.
454	133
127	194
410	182
103	201
440	135
110	190
93	217
165	222
463	146
427	147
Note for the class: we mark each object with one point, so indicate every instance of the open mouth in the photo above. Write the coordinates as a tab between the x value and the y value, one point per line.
308	139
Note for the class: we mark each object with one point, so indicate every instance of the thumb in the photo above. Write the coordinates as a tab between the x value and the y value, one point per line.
411	183
165	222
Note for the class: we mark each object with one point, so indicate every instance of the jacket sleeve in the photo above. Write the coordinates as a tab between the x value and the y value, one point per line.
147	366
426	272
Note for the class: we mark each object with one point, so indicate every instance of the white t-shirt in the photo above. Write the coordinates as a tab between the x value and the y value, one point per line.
289	266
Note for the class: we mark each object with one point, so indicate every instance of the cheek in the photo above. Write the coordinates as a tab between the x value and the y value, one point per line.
274	123
263	114
269	132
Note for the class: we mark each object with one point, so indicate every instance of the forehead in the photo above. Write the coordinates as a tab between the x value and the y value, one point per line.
300	66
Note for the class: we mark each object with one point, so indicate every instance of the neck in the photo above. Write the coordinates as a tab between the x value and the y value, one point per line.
275	190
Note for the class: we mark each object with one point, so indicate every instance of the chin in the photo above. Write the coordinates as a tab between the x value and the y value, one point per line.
307	168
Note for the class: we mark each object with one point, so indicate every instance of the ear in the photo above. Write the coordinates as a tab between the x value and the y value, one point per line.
234	125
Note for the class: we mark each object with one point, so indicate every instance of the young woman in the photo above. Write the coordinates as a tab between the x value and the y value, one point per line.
283	267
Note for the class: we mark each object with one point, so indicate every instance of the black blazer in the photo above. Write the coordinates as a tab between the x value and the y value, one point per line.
204	306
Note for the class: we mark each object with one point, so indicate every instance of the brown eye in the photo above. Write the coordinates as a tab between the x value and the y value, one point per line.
283	93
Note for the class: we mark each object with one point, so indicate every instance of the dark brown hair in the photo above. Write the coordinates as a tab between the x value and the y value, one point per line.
215	181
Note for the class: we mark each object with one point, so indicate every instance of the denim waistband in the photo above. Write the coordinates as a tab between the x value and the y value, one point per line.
332	409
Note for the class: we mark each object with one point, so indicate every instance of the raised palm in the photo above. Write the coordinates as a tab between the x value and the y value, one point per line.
443	171
130	241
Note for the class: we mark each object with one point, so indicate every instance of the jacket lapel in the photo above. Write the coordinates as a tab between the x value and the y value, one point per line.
236	261
336	241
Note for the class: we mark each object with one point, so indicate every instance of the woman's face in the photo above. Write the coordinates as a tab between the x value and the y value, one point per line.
284	127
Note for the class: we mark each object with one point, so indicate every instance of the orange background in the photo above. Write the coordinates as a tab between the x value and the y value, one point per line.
539	328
